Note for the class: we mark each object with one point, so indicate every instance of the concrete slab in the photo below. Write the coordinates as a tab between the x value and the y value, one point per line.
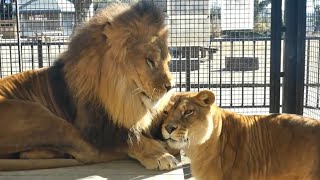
117	170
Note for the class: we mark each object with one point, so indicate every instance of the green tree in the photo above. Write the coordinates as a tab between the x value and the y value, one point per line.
97	4
317	15
260	5
81	9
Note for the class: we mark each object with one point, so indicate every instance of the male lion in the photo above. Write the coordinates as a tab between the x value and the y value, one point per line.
97	101
224	145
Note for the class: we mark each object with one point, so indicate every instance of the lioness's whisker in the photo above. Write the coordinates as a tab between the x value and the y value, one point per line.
188	140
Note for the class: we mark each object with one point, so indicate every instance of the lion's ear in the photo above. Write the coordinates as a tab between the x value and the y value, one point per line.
205	98
116	35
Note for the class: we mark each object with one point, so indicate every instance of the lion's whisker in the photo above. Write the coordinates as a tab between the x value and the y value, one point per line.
138	89
137	92
152	94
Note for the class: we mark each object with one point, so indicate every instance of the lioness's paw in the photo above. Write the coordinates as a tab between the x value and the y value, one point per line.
164	162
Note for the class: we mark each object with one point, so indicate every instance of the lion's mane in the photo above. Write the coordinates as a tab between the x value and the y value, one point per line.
96	74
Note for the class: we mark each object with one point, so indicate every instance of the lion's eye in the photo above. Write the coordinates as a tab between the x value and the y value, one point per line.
150	63
188	112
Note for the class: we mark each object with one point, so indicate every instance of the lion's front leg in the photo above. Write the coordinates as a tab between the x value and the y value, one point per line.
152	154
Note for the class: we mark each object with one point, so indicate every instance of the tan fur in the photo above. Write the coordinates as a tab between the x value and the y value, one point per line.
225	145
115	69
119	59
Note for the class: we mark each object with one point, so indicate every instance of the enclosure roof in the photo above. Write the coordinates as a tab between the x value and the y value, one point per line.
30	6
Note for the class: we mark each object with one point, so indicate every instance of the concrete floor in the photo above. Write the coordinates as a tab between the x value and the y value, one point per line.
117	170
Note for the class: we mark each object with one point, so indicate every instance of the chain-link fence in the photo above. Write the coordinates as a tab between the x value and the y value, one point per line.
223	45
312	65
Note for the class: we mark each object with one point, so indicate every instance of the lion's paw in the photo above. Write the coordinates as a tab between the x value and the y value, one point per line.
163	162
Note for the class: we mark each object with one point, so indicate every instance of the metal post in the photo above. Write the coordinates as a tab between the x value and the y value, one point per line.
294	52
18	35
301	44
308	71
40	55
275	55
0	62
188	68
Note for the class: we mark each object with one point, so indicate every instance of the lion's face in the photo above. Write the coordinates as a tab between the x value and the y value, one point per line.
119	60
148	61
189	120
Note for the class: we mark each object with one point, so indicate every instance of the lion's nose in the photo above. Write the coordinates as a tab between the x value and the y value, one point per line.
168	86
170	128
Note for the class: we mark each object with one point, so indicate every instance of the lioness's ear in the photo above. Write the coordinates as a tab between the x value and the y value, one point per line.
205	98
175	97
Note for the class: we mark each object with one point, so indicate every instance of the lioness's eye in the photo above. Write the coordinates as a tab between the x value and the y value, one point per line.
188	112
165	113
150	63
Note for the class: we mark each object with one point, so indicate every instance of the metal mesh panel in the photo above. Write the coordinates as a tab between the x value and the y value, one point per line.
221	45
312	64
231	57
8	29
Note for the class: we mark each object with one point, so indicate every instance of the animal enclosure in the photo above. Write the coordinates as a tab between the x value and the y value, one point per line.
239	49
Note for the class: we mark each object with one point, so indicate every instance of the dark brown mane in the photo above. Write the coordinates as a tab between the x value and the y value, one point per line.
124	25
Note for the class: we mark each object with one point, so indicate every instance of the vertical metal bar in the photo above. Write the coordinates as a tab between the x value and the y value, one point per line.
265	73
188	69
220	78
253	72
32	56
301	45
289	84
231	76
48	54
180	63
209	70
198	62
242	78
18	35
318	80
294	52
40	54
307	78
275	55
0	62
10	57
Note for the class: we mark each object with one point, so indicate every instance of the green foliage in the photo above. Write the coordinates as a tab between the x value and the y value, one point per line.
259	6
317	15
81	8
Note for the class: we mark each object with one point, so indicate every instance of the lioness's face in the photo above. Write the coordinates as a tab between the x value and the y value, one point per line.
149	60
189	120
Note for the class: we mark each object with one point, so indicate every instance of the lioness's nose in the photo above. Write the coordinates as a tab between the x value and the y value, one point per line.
170	128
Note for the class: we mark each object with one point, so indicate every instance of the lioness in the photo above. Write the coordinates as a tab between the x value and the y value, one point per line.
225	145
